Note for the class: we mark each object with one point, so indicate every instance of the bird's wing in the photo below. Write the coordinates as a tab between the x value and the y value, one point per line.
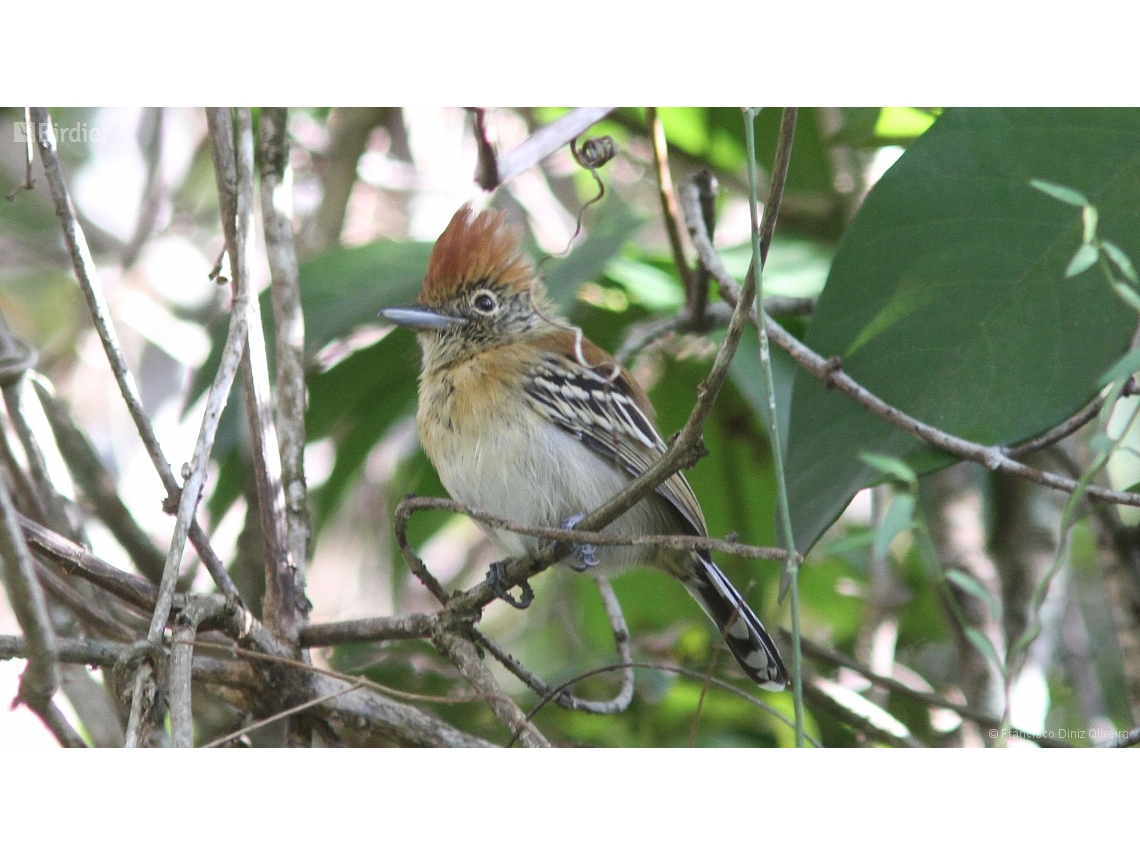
609	413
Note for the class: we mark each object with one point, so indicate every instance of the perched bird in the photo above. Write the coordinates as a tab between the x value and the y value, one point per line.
524	418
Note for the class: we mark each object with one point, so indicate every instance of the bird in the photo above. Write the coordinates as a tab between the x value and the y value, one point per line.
526	419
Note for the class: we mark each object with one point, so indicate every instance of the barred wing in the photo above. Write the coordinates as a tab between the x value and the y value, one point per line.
608	414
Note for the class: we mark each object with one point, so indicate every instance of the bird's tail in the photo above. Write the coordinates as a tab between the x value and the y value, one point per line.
738	624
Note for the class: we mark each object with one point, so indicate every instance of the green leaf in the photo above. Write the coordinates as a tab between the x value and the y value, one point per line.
357	401
982	644
647	285
857	542
345	287
903	123
1124	367
1127	294
1084	258
1118	257
1089	219
1065	194
897	519
891	466
947	297
1026	639
974	588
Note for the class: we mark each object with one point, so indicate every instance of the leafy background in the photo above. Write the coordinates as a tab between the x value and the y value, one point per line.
941	281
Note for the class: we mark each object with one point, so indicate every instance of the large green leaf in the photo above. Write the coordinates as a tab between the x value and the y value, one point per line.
947	297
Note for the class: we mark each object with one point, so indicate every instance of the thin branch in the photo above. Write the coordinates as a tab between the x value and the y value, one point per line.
671	669
47	497
289	327
86	611
466	658
40	679
84	267
30	131
562	695
716	316
681	542
231	143
1069	426
97	485
859	713
695	302
73	558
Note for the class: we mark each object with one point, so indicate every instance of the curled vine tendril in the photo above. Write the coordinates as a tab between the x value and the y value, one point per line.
595	152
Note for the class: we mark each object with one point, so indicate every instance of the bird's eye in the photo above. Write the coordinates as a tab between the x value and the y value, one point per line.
484	302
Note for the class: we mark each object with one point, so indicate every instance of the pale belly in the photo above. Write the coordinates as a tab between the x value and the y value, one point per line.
534	473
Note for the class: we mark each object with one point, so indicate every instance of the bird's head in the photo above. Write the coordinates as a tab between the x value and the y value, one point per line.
480	291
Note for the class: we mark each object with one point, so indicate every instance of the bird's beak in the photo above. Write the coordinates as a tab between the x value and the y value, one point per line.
419	318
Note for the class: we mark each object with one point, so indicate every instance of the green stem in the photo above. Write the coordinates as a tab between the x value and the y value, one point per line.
791	565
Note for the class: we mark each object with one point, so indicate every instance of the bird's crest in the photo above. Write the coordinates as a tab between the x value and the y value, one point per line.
474	250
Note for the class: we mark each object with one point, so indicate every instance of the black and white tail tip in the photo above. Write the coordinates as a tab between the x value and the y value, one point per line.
738	624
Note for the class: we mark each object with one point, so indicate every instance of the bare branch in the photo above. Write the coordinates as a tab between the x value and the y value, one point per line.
29	157
182	664
84	267
97	485
696	302
465	656
41	678
289	327
562	695
366	629
682	542
545	141
231	142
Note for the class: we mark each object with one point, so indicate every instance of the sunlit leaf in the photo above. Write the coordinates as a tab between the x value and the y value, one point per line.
1121	260
897	519
1065	194
1084	258
891	466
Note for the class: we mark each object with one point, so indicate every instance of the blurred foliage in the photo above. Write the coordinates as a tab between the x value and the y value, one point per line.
945	294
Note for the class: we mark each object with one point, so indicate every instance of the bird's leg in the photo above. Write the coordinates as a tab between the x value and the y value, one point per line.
583	556
497	580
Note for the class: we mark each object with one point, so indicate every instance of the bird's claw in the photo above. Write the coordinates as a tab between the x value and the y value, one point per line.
583	556
497	580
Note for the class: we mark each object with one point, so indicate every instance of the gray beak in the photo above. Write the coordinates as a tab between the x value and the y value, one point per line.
419	318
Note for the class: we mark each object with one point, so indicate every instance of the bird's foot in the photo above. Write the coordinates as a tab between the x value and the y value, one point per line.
583	556
497	580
